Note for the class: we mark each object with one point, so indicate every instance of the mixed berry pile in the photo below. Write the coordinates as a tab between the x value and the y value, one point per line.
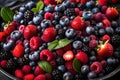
64	40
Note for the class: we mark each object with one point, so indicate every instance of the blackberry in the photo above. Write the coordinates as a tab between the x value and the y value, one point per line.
86	49
23	61
109	69
78	77
57	15
11	65
28	15
60	61
5	55
69	12
115	40
57	75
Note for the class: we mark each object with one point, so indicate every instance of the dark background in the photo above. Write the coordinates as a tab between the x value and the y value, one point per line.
16	3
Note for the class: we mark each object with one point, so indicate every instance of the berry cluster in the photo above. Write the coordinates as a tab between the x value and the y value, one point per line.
33	45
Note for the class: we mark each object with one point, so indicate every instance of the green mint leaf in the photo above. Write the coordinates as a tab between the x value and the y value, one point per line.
45	66
53	44
7	14
76	65
62	43
39	6
34	10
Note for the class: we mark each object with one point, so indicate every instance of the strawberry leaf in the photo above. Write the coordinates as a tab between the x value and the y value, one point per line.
7	14
45	66
62	43
76	65
53	44
39	6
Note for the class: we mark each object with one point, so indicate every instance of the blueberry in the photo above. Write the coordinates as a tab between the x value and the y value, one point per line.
55	22
70	33
59	8
92	58
64	21
32	63
27	50
37	19
41	12
58	26
72	17
109	30
117	30
9	45
81	6
67	76
66	3
90	30
22	9
92	75
30	5
114	24
99	25
110	61
95	10
26	55
102	32
15	35
18	17
57	15
77	44
117	54
86	40
62	68
45	23
92	53
90	4
87	15
72	4
49	8
34	56
85	69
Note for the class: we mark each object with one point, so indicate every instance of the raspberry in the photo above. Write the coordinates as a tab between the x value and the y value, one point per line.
93	44
46	55
48	16
106	37
26	69
3	63
21	28
53	63
35	42
67	47
19	73
96	67
92	37
60	52
48	76
38	70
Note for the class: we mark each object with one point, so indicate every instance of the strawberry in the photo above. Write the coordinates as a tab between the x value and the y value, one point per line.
40	77
82	57
102	2
106	50
26	69
49	34
106	37
30	31
29	77
2	36
19	73
78	23
111	13
35	43
11	27
3	63
18	51
106	23
68	55
46	55
38	70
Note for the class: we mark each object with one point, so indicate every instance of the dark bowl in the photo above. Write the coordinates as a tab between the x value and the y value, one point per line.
6	76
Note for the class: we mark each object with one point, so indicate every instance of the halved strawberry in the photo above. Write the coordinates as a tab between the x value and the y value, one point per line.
78	23
68	55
